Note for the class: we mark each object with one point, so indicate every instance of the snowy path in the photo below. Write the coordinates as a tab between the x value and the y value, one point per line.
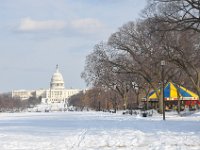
97	131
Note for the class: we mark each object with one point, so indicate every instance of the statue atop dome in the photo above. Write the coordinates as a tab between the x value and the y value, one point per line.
57	70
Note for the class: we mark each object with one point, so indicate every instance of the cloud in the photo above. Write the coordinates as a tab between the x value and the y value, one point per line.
86	25
28	24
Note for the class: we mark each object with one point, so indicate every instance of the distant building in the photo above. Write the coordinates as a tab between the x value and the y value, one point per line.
22	94
55	94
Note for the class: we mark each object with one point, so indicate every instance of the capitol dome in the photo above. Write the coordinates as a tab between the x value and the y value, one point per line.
57	81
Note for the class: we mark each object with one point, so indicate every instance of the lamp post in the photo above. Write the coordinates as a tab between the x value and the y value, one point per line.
163	87
115	101
136	88
99	103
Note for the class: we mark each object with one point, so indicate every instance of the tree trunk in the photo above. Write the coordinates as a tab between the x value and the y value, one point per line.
179	105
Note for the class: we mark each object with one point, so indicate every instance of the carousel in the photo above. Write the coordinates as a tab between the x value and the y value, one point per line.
174	93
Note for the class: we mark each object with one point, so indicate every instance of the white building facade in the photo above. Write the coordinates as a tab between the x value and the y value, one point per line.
55	94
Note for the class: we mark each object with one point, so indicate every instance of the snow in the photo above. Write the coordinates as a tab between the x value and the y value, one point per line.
98	131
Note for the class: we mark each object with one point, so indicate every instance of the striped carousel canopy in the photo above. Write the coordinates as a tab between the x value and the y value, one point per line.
174	91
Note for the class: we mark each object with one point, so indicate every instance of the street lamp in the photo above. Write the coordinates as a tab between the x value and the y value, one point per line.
136	88
163	88
115	101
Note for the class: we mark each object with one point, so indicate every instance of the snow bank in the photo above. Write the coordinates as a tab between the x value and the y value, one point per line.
97	131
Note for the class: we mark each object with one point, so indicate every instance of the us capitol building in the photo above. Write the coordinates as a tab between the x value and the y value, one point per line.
55	94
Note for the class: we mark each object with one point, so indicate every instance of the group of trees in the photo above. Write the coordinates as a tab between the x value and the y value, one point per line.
7	103
128	65
102	100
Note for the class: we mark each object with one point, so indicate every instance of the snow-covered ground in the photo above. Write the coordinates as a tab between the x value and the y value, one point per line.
97	131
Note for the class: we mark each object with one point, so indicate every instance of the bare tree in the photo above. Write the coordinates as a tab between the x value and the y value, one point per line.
100	71
144	51
183	50
181	14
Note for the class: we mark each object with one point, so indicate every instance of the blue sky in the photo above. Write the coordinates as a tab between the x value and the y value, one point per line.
35	35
